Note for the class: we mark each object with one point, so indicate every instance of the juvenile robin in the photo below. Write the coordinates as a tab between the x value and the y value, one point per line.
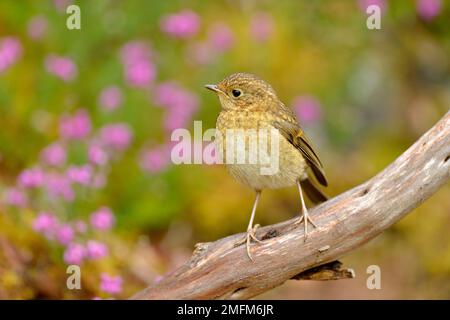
249	103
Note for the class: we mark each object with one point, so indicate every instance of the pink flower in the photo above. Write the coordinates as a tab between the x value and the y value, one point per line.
139	69
364	4
75	127
96	250
134	51
180	114
181	104
172	96
37	27
183	24
110	98
155	160
102	219
16	197
261	27
64	234
61	67
10	52
81	174
97	155
117	136
174	120
429	9
74	254
169	94
80	226
54	155
221	37
59	186
45	222
140	74
31	178
110	284
307	108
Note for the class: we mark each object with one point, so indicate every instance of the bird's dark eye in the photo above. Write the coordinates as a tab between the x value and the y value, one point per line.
236	93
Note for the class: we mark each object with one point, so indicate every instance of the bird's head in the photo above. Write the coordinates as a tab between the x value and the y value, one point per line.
243	91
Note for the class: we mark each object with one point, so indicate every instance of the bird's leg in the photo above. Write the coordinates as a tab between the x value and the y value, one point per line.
251	229
304	217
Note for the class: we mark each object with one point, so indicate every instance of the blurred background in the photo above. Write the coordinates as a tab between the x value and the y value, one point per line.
86	117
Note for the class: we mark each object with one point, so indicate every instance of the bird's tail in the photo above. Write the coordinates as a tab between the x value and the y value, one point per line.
313	193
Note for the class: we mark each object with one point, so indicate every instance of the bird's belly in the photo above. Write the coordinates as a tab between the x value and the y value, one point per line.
291	167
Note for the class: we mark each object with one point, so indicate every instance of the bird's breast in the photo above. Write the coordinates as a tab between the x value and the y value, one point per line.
255	153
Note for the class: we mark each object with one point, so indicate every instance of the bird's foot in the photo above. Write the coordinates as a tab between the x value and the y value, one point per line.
305	218
249	237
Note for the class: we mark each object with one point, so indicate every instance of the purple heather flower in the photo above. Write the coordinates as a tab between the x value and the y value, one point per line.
74	253
54	155
138	68
96	250
177	118
261	26
81	175
117	136
75	127
110	98
221	37
156	159
183	24
307	108
97	155
31	178
37	27
110	284
172	96
102	219
61	67
45	222
140	74
64	234
59	186
429	9
16	197
10	52
134	51
169	94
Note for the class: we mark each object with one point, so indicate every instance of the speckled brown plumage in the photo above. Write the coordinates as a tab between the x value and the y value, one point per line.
249	102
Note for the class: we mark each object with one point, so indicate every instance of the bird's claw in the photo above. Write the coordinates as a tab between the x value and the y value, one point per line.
305	217
251	236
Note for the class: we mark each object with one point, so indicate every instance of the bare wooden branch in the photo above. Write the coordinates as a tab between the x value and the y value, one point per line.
222	270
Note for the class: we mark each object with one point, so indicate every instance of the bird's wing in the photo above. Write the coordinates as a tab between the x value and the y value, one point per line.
288	126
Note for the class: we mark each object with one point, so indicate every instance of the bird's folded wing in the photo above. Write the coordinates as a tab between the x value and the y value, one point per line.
290	129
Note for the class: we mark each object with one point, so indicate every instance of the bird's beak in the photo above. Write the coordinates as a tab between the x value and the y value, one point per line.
213	87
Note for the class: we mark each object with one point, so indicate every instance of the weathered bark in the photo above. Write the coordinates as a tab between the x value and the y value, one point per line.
222	269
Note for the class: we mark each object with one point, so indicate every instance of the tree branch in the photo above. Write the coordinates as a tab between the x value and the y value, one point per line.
222	270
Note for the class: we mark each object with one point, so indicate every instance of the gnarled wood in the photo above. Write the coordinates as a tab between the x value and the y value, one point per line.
222	269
